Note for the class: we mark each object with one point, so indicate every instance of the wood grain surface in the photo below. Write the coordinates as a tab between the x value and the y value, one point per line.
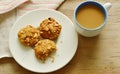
96	55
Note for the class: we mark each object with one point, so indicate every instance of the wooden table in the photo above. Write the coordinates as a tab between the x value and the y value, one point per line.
97	55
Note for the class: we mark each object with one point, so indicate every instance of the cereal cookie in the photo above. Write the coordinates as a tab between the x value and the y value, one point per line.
29	35
50	28
44	48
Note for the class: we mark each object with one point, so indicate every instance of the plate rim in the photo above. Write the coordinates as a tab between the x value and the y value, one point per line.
43	10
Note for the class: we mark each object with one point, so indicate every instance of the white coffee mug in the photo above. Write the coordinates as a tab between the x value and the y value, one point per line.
91	32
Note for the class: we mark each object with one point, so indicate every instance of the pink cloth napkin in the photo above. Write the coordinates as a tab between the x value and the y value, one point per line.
8	19
38	4
7	5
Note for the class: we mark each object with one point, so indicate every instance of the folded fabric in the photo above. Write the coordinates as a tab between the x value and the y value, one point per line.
8	19
37	4
7	5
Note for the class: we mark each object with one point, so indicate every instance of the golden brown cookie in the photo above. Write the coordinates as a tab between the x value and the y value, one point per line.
50	28
29	35
44	48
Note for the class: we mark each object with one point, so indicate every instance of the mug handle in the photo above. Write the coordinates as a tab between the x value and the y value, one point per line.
107	6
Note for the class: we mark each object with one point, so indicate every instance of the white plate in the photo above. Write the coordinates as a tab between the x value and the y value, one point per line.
66	43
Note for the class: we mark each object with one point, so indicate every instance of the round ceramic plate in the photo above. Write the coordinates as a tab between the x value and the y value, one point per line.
66	42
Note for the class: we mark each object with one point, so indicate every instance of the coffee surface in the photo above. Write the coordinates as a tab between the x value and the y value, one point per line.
90	16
